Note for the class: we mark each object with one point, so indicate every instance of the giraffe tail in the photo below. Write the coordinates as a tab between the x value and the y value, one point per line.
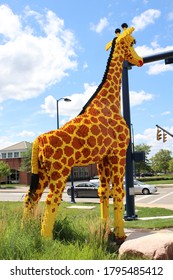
34	166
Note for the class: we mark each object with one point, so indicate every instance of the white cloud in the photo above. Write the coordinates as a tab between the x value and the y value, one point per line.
103	23
154	49
10	25
166	113
49	106
137	98
68	109
146	18
5	142
31	63
159	67
26	134
85	65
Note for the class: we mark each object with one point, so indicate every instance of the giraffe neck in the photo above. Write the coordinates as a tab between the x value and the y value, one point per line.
108	92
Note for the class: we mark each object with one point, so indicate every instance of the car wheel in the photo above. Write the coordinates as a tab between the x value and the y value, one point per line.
145	191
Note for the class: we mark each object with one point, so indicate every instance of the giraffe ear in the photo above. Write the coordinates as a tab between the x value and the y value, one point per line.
108	45
126	32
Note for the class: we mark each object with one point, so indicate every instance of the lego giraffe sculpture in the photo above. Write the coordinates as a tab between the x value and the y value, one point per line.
99	134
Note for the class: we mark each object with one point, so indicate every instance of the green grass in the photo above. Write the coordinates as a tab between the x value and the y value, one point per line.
77	233
160	182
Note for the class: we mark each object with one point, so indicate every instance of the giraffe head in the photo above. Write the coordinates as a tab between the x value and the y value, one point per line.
126	42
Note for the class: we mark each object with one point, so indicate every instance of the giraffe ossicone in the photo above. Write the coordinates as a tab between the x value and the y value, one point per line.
99	134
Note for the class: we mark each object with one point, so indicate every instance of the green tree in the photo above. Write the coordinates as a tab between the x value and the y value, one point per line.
26	160
143	166
4	170
171	165
160	162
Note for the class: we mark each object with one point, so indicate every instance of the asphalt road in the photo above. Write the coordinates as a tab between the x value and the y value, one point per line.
163	198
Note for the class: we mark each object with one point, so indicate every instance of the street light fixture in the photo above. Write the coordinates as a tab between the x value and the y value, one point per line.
57	102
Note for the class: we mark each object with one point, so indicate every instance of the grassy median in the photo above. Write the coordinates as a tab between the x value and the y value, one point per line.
77	233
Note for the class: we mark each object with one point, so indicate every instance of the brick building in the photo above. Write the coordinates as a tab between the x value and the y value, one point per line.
13	156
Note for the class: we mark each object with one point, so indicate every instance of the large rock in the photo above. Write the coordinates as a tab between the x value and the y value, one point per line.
152	245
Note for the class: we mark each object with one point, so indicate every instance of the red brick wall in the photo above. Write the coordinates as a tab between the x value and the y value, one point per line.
15	163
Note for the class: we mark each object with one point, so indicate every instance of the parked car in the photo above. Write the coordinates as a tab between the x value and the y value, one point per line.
95	177
142	188
85	189
147	174
94	180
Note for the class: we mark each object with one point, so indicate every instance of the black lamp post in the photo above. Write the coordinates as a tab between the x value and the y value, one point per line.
72	180
57	103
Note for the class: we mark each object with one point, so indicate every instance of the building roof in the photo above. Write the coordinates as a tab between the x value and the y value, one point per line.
16	147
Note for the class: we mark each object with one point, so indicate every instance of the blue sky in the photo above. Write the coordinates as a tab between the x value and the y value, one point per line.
54	49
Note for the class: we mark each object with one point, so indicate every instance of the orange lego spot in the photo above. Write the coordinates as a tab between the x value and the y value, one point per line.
86	152
82	131
64	160
94	120
122	137
77	143
71	129
49	151
58	154
107	141
55	141
65	136
55	199
51	187
65	171
57	165
77	155
68	151
70	161
95	130
55	176
122	153
91	141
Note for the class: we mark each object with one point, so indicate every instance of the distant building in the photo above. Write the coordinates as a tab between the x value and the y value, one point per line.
13	156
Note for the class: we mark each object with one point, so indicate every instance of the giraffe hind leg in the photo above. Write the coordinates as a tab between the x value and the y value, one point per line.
104	192
33	195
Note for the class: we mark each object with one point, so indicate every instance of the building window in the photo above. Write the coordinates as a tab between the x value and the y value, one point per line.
10	155
14	176
16	154
3	155
80	172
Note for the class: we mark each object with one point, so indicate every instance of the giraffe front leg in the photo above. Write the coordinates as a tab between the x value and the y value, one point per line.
118	195
120	235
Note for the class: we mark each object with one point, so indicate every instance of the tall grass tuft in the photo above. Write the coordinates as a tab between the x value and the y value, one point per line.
77	236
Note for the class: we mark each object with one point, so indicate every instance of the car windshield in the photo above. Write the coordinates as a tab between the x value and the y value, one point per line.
138	182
